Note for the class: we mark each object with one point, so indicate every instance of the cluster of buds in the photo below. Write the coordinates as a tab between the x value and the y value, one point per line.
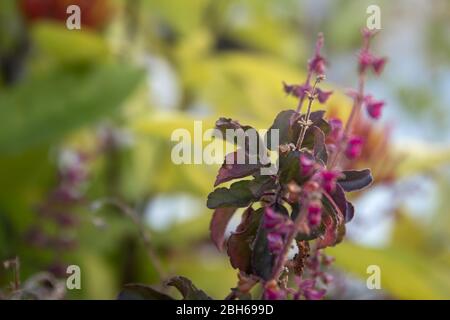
316	66
340	137
272	291
60	209
315	274
321	180
366	58
278	226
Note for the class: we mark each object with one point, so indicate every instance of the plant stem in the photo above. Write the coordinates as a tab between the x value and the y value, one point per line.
348	125
306	84
14	264
355	110
305	125
133	215
281	261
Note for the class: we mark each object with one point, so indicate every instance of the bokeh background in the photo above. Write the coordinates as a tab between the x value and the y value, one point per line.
94	109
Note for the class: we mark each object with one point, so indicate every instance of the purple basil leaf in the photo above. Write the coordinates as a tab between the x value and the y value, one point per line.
355	179
136	291
238	195
262	259
350	212
187	289
320	149
333	220
239	243
329	237
344	206
287	132
261	184
218	225
289	166
339	199
224	124
313	234
231	170
319	122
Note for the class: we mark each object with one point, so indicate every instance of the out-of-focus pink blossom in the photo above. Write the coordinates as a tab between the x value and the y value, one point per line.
314	213
323	96
354	147
374	107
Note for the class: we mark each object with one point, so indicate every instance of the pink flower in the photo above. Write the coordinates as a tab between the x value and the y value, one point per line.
275	241
314	213
323	96
277	223
378	65
271	218
368	33
354	147
336	131
328	179
273	292
374	107
317	63
365	60
306	165
296	90
308	290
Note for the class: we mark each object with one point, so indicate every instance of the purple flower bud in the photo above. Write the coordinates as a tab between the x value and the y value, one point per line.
323	96
275	242
336	129
36	237
317	63
378	65
314	213
313	294
307	287
368	33
327	278
306	165
66	219
354	147
328	179
273	292
271	218
365	60
374	107
327	260
296	90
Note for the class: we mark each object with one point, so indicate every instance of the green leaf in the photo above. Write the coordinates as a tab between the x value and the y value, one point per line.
405	274
187	289
261	184
45	108
238	195
135	291
55	42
